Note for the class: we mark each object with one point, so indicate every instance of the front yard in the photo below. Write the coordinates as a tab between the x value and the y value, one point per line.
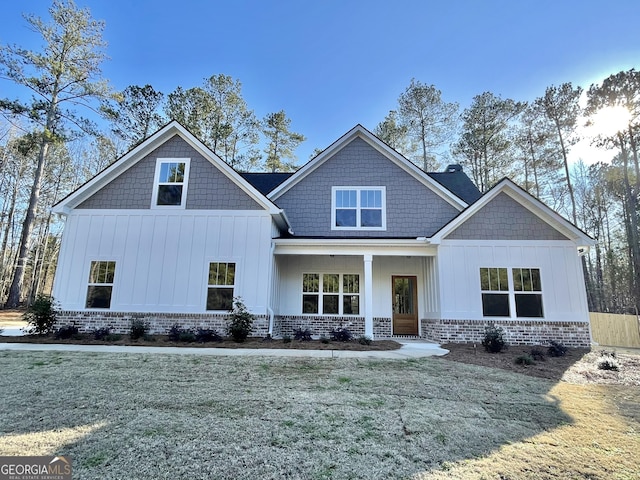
164	416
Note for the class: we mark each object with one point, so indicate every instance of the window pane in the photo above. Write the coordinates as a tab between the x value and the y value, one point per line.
535	280
529	305
517	279
309	303
484	279
345	218
219	298
495	305
504	283
494	281
330	304
351	305
98	297
169	194
351	284
371	218
164	172
331	283
231	274
526	280
213	273
310	282
110	270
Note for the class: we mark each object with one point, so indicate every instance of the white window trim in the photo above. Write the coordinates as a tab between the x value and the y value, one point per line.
382	189
340	294
156	183
512	292
236	261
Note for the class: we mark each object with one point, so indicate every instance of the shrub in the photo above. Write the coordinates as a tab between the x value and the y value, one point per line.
608	361
524	360
240	322
341	334
113	337
286	339
101	333
174	332
207	335
324	339
187	336
493	340
41	315
138	329
556	349
303	335
66	332
364	340
537	353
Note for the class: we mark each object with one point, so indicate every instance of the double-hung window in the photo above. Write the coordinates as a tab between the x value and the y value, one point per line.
358	208
100	286
331	293
507	289
171	181
221	283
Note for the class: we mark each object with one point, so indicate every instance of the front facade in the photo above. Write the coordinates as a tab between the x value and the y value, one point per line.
358	237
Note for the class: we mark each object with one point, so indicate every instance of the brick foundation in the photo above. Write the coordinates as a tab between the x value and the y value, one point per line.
318	325
159	323
516	332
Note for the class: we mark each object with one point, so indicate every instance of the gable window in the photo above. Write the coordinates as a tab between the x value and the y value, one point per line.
221	283
499	296
362	208
100	286
331	293
171	180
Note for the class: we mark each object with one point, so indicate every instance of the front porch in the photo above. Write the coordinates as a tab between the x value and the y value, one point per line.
378	288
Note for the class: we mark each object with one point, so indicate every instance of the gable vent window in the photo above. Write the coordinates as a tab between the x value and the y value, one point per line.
358	208
171	180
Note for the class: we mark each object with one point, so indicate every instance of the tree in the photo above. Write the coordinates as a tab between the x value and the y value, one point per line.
560	107
392	133
429	121
135	113
218	115
66	72
282	142
485	140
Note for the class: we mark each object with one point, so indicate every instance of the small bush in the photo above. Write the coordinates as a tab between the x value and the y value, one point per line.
524	360
556	349
537	353
608	361
493	340
41	315
138	329
364	340
174	332
303	335
101	333
286	339
240	322
341	334
187	336
324	339
207	335
66	332
113	337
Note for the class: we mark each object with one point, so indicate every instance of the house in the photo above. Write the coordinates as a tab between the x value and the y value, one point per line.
357	237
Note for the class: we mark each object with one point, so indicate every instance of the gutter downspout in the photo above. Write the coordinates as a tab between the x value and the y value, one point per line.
270	291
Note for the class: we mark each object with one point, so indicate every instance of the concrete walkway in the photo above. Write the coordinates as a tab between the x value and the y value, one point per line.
409	349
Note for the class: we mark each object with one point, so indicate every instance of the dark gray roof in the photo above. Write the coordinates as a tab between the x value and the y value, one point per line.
265	182
457	182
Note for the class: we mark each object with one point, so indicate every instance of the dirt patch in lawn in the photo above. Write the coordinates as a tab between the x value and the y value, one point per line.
252	342
578	365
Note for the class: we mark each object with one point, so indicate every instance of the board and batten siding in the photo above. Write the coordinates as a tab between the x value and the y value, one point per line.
459	263
162	258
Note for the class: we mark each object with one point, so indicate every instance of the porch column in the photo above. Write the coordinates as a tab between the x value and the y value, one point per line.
368	295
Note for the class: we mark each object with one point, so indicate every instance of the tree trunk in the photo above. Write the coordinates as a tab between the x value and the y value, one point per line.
566	170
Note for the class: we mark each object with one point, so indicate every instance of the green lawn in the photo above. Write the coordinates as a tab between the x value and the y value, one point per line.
172	416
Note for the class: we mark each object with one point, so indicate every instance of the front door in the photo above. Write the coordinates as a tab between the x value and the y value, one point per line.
405	305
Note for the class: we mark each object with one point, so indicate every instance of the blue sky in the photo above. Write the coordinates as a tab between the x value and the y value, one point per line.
332	64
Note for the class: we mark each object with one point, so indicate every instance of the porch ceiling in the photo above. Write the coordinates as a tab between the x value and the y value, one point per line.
376	247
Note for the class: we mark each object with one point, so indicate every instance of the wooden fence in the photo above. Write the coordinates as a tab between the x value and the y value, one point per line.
615	330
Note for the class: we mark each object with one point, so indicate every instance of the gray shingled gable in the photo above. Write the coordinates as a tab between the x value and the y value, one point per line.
413	209
208	188
503	218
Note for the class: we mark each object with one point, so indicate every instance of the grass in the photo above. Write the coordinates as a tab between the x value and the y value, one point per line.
159	416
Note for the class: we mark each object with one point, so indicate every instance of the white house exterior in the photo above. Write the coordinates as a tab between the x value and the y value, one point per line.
357	237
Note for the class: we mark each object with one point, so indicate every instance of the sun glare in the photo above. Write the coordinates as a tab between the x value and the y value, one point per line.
610	120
